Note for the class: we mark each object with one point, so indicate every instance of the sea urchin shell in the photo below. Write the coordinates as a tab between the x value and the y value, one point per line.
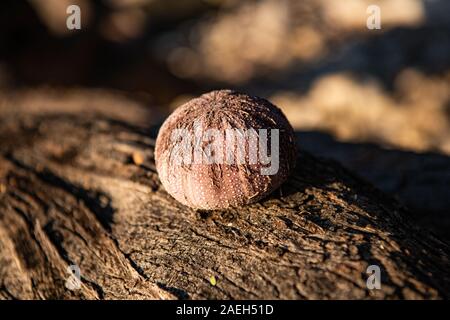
224	149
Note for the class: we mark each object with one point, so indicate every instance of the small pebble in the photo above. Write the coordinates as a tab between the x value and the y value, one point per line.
138	159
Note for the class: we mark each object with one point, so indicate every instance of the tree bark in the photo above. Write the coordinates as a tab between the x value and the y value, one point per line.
73	192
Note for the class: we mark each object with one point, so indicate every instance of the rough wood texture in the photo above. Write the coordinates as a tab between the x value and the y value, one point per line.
419	180
70	193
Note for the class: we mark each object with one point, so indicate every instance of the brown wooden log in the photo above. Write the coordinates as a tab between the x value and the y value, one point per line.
71	193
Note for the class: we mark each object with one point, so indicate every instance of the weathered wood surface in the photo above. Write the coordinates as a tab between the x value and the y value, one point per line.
70	193
421	181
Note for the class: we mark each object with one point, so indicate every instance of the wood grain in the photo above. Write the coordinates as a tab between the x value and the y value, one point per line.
72	194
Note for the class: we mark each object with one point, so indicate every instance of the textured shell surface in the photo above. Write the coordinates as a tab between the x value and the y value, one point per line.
221	184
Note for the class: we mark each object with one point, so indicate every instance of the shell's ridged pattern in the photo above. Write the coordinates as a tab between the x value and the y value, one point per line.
221	185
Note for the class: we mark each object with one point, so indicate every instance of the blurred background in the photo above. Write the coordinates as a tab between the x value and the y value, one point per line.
378	101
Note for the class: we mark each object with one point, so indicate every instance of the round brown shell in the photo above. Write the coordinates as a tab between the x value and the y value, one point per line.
222	185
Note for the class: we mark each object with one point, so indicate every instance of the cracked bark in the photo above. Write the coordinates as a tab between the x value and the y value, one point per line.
71	194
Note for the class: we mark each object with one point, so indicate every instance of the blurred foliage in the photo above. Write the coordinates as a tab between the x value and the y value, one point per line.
314	58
